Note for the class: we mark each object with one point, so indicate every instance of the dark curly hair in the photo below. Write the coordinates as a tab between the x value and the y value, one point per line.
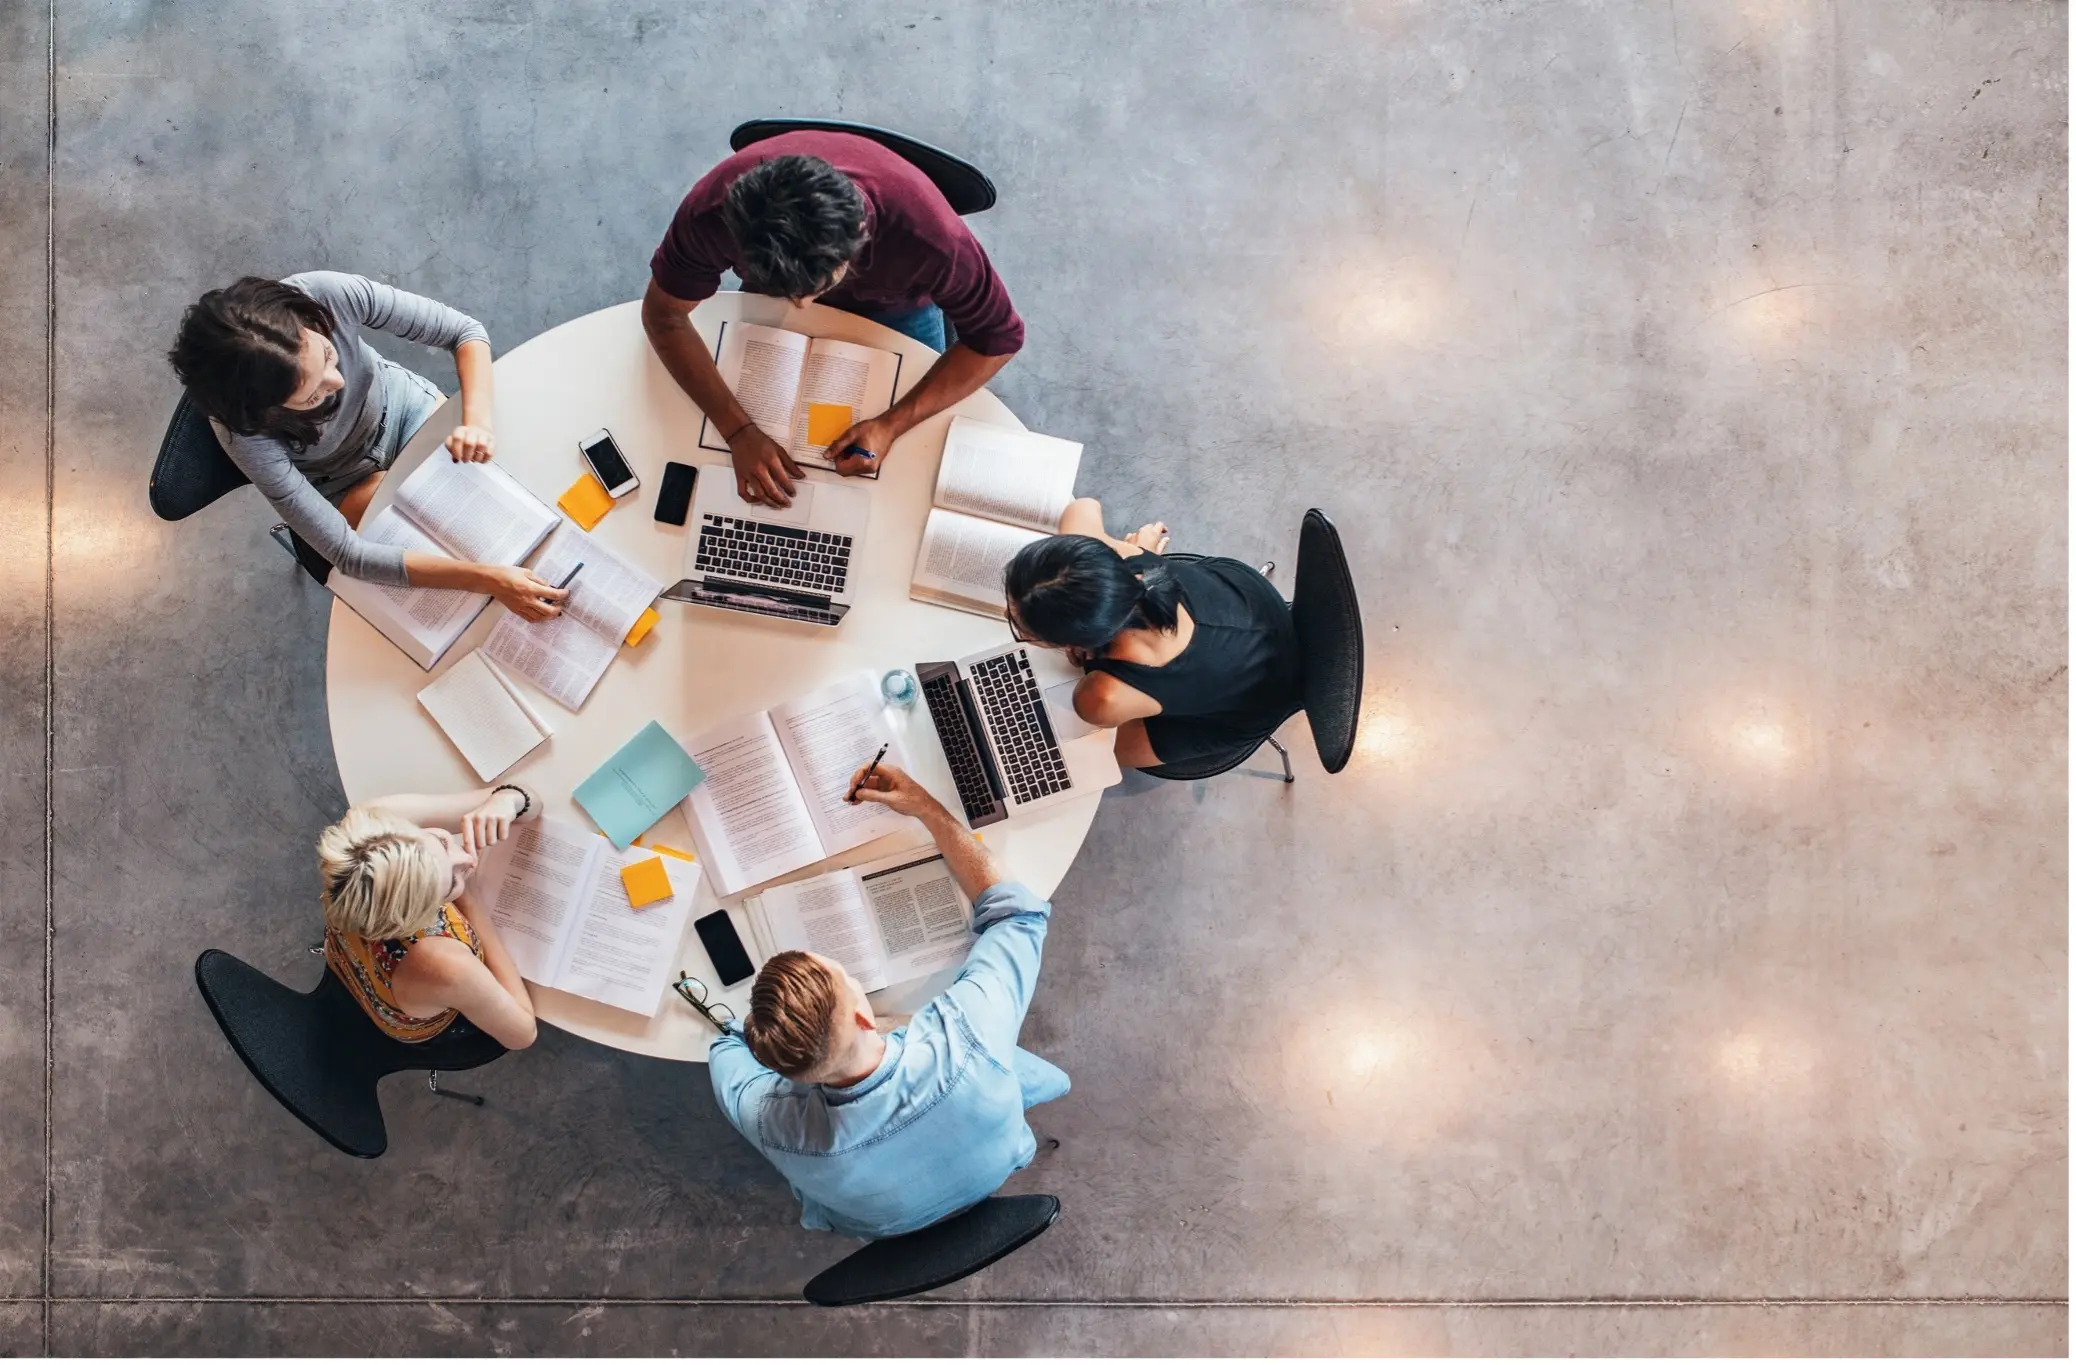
795	221
239	353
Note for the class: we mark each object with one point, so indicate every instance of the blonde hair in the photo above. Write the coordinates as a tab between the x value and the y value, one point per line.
380	880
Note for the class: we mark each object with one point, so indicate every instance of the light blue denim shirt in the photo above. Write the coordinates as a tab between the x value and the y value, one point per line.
939	1124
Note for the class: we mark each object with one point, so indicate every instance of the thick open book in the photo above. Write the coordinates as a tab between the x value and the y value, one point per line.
781	378
998	490
475	512
887	922
566	655
487	717
555	892
773	799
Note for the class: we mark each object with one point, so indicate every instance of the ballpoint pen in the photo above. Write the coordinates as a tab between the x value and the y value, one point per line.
870	769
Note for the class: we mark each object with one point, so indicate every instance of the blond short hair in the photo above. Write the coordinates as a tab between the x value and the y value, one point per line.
792	1015
380	879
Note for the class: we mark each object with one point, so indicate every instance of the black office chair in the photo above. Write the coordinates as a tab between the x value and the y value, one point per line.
193	471
941	1254
319	1054
1329	631
962	183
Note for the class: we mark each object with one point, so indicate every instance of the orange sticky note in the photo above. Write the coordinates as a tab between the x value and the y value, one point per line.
586	501
674	852
646	882
642	626
826	422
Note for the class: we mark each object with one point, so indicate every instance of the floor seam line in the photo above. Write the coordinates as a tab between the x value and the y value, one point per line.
50	657
390	1300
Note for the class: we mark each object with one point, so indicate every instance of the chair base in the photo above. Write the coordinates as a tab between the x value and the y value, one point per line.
1284	754
432	1083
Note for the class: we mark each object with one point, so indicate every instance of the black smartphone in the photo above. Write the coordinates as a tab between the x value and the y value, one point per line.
674	498
602	453
723	948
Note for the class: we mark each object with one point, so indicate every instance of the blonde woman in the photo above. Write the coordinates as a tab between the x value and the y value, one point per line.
401	931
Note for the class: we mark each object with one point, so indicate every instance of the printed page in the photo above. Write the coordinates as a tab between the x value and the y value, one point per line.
621	956
560	655
609	595
925	923
533	884
476	511
861	378
748	818
422	622
761	366
828	735
828	915
487	721
961	560
1007	475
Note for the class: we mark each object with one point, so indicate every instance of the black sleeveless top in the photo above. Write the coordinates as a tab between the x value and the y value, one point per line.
1238	677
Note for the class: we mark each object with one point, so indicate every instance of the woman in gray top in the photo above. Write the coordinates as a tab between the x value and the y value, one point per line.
314	417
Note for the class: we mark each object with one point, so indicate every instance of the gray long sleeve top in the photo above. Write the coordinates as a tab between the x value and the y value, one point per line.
289	479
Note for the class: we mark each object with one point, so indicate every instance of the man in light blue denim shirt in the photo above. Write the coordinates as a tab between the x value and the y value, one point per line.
883	1135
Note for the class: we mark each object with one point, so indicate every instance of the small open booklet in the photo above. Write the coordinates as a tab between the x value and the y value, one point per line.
555	892
998	490
566	655
792	386
773	799
887	922
487	717
475	512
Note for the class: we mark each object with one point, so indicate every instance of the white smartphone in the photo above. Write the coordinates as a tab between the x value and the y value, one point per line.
606	461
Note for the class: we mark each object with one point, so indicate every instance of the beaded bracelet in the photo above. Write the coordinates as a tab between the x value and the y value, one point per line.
525	799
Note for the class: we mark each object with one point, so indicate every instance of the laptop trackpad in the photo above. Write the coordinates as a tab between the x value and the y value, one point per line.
797	515
1059	703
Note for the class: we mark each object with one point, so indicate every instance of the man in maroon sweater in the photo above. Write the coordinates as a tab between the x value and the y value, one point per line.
837	219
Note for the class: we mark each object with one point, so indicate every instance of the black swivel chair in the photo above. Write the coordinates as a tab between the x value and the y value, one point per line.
1329	631
319	1054
941	1254
192	471
962	184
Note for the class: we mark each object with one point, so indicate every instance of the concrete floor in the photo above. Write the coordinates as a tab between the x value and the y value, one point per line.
1689	382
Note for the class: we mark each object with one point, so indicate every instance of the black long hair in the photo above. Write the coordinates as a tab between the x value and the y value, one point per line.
240	351
1075	590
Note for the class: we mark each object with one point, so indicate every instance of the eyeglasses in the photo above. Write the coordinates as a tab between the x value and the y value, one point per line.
693	992
1016	631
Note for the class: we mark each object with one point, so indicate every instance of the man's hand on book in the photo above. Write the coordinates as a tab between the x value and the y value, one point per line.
471	445
529	596
874	435
763	471
890	787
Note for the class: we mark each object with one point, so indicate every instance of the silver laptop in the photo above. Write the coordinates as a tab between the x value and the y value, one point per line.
1006	720
798	563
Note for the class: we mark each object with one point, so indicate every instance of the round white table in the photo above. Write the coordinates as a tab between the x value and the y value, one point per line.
699	666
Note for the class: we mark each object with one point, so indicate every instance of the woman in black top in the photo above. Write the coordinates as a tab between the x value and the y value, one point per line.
1188	658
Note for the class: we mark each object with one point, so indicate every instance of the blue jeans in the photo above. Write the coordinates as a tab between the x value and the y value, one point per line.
924	324
1041	1080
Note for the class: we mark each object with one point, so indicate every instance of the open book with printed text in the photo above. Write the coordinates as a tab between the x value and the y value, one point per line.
555	892
566	655
998	490
888	921
475	512
802	391
773	799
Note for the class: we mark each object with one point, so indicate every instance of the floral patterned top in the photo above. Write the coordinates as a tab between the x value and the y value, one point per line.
366	965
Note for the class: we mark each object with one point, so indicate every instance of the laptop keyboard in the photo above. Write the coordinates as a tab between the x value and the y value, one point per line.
1024	747
942	694
735	547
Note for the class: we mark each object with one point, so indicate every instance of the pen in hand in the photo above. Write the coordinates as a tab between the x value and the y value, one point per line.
871	768
570	577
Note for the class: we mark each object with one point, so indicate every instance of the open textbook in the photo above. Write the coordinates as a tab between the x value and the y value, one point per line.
792	385
773	799
998	490
486	716
887	922
566	655
555	892
475	512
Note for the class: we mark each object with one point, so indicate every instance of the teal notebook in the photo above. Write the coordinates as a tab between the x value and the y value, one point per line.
638	786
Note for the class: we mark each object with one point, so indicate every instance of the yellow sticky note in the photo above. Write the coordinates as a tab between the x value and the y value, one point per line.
586	501
674	852
646	882
826	422
642	626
